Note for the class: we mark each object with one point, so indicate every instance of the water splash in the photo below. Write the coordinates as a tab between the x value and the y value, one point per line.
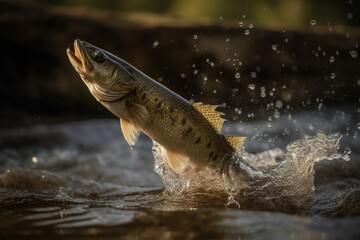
271	180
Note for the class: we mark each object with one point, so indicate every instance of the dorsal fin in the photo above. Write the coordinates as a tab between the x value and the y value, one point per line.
209	112
235	142
176	161
129	131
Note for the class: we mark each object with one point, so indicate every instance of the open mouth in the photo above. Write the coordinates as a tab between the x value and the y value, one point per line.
79	58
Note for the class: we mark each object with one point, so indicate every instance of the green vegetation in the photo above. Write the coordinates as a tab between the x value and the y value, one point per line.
271	13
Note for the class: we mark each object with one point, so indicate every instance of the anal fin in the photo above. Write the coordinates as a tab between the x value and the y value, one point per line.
235	142
130	132
176	161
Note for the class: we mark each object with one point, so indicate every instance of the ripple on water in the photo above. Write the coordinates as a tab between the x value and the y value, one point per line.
82	179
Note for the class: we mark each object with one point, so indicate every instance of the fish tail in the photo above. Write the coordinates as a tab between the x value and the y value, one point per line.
227	164
233	164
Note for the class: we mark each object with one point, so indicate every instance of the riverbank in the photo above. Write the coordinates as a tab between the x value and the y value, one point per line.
252	72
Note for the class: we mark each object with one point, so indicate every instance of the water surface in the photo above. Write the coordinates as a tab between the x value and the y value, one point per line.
80	179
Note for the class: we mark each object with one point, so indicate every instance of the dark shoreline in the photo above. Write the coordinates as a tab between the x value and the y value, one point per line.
39	85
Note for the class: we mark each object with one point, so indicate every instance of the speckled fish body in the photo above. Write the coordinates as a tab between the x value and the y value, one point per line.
190	132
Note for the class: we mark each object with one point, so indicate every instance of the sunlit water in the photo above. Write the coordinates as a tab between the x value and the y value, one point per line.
81	179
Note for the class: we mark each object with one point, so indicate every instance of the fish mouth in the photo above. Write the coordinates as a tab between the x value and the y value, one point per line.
79	58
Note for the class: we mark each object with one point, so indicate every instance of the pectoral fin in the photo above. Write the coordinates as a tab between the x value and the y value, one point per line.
129	131
235	142
176	161
138	114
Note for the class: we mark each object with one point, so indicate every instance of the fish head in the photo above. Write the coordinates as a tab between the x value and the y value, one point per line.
106	79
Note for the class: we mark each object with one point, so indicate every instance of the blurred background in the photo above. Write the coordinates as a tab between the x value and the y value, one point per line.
266	13
257	59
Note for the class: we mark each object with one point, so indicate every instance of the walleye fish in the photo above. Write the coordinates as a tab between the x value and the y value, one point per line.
190	132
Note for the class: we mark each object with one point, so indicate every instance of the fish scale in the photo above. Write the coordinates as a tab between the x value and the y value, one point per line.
190	133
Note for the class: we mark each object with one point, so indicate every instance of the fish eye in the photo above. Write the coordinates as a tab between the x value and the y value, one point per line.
98	56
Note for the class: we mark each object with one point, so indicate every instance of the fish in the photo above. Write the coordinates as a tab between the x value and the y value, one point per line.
189	132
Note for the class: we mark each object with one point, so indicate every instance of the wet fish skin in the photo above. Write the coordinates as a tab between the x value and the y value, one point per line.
144	105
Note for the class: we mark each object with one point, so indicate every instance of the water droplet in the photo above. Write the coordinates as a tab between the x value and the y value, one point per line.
214	91
274	47
247	32
182	75
251	86
313	22
34	159
349	16
196	72
155	44
358	125
187	184
279	104
251	25
221	18
253	74
320	106
263	94
347	151
332	59
227	40
237	75
241	24
353	54
195	36
333	75
277	114
205	78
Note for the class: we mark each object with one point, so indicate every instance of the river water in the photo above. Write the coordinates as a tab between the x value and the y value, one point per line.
297	177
